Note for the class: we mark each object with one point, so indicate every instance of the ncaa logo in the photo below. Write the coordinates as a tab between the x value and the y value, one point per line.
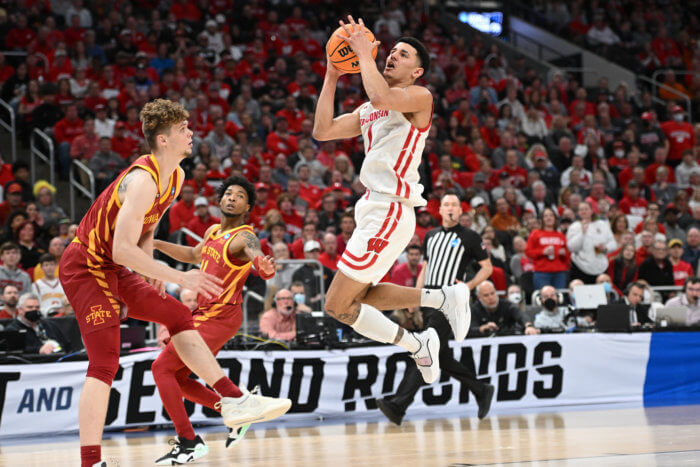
226	237
172	192
454	242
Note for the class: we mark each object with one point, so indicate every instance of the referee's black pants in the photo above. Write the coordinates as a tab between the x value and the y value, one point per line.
413	380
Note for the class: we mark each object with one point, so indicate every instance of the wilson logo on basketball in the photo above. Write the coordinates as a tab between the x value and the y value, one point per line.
344	51
98	315
376	244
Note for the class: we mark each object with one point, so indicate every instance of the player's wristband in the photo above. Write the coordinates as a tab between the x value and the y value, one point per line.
256	262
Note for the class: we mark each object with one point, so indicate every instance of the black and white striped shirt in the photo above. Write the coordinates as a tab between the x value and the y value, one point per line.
449	252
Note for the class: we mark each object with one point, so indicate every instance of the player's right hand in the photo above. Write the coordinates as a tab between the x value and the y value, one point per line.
201	282
331	70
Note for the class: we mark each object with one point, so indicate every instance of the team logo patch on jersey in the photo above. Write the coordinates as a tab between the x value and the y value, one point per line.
376	244
454	242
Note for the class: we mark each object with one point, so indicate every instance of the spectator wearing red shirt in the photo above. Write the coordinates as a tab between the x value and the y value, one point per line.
666	48
183	211
13	201
292	114
490	133
308	232
5	172
406	274
424	223
86	145
680	135
517	174
183	10
659	161
262	205
199	181
644	250
681	269
122	144
202	219
329	257
294	87
19	37
281	140
597	194
347	227
266	178
75	32
547	249
631	203
307	190
290	217
65	131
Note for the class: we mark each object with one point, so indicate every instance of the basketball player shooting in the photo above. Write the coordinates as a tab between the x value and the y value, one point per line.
394	125
103	267
227	251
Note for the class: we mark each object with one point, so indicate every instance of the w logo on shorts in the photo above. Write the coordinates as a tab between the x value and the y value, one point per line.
376	244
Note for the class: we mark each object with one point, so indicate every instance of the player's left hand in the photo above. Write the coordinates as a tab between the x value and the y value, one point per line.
267	265
357	38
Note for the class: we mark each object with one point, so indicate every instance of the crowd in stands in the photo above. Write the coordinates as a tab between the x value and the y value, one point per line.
645	36
561	181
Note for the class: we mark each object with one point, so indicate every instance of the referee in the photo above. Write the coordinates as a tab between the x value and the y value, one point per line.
450	252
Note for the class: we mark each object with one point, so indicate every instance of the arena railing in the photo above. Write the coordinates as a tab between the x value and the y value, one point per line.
655	79
47	157
655	96
76	184
10	127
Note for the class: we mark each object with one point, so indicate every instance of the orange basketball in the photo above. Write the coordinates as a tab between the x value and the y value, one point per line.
341	55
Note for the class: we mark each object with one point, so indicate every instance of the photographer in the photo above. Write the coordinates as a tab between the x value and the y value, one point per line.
493	316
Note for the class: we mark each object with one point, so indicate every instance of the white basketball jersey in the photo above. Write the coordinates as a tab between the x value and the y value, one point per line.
51	295
393	152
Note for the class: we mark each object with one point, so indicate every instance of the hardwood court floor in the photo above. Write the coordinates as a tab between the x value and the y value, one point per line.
667	436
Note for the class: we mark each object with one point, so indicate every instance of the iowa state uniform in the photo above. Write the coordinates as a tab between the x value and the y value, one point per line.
96	286
232	271
217	320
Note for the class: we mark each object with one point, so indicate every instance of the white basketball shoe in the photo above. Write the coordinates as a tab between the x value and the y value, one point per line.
251	408
456	309
427	355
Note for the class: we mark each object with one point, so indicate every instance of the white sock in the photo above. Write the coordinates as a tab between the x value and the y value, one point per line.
433	298
409	342
372	324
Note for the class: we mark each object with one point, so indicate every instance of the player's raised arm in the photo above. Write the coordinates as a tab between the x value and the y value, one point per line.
183	253
246	246
325	126
410	99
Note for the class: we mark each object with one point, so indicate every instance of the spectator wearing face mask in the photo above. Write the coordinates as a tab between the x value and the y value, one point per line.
552	314
515	296
43	335
690	300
